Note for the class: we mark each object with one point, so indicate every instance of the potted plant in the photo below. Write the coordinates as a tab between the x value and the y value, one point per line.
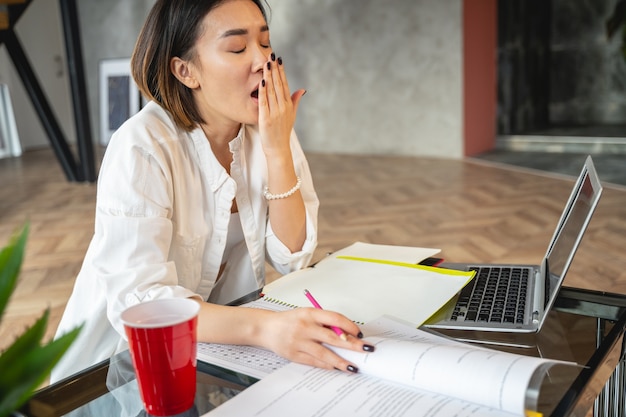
26	363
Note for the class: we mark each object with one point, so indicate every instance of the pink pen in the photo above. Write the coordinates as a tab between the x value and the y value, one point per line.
313	301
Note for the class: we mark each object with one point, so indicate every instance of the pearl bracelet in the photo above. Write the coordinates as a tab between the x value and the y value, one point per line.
270	196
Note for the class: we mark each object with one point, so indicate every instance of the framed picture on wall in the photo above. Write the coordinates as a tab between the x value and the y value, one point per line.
9	139
119	96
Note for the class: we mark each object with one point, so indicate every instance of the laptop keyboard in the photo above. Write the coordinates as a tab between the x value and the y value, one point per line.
496	295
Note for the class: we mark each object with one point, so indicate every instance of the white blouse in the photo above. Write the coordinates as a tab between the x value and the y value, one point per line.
162	213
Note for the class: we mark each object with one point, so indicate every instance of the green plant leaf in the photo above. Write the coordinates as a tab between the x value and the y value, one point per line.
27	372
25	364
10	264
29	340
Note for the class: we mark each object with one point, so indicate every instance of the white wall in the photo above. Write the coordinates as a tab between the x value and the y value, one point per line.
109	30
39	32
383	77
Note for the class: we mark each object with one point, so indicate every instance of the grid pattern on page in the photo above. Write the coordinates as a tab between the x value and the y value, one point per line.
248	360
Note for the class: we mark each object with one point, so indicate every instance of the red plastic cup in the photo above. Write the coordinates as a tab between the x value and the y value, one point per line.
162	342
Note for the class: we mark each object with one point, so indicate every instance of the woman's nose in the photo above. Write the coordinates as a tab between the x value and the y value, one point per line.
261	56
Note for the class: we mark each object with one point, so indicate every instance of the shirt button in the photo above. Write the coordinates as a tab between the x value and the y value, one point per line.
131	300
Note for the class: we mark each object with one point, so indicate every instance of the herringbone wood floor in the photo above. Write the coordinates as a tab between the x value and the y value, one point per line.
473	211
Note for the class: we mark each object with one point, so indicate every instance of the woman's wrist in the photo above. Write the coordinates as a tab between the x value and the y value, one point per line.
256	333
279	157
270	196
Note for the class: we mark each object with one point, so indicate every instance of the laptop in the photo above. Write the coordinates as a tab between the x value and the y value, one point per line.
517	298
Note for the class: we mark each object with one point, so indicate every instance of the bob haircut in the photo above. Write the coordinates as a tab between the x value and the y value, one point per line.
171	30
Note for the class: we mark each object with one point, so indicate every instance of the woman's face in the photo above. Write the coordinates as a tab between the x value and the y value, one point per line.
228	65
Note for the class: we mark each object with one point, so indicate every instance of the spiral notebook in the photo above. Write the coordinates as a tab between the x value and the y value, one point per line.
366	281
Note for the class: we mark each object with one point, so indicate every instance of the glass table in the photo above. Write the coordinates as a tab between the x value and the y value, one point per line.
585	327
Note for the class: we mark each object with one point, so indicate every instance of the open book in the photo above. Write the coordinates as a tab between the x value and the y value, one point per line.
411	373
365	281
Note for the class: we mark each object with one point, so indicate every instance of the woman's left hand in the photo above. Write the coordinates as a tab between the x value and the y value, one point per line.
277	108
277	115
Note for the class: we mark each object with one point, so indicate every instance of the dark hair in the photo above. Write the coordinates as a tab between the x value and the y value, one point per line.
171	30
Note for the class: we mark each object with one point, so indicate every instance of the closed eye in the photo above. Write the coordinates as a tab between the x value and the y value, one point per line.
242	50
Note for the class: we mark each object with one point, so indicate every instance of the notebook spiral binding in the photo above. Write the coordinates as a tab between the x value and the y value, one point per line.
284	304
279	302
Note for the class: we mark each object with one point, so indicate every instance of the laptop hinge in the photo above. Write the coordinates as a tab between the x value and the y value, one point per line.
541	292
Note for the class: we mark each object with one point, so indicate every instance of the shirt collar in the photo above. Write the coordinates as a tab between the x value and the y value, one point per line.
215	173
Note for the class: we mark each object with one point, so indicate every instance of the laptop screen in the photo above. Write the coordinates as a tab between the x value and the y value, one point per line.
572	225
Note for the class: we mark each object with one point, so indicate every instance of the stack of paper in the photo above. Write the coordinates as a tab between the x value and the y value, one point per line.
366	281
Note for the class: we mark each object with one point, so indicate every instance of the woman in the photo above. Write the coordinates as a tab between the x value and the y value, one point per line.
202	187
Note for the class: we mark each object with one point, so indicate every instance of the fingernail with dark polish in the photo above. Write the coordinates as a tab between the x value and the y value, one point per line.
368	348
273	56
353	369
280	61
269	65
263	83
360	335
